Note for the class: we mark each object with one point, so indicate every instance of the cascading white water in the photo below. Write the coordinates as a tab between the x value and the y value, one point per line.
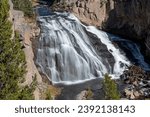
65	53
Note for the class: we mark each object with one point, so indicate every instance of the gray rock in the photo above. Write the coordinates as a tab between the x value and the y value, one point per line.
136	94
82	95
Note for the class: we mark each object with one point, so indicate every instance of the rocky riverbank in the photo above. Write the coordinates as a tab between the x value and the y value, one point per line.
137	83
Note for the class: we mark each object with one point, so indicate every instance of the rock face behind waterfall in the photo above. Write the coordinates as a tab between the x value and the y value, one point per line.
92	12
130	18
68	51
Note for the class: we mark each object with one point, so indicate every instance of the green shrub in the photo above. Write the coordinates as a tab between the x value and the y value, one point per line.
25	6
89	94
48	95
110	88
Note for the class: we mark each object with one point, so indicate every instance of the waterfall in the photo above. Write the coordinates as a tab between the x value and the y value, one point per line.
70	52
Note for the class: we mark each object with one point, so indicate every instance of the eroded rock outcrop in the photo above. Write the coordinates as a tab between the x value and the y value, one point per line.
91	12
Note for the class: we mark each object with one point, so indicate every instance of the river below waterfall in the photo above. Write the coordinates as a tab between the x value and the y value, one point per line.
75	56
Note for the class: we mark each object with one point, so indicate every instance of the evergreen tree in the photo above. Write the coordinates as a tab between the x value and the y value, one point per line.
110	88
12	60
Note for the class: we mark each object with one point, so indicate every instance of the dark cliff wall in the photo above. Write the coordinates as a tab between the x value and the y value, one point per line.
131	18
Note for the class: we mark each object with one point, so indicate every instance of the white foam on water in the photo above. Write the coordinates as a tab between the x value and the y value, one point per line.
65	54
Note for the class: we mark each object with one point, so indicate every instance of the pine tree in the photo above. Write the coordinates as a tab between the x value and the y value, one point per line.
110	88
12	60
